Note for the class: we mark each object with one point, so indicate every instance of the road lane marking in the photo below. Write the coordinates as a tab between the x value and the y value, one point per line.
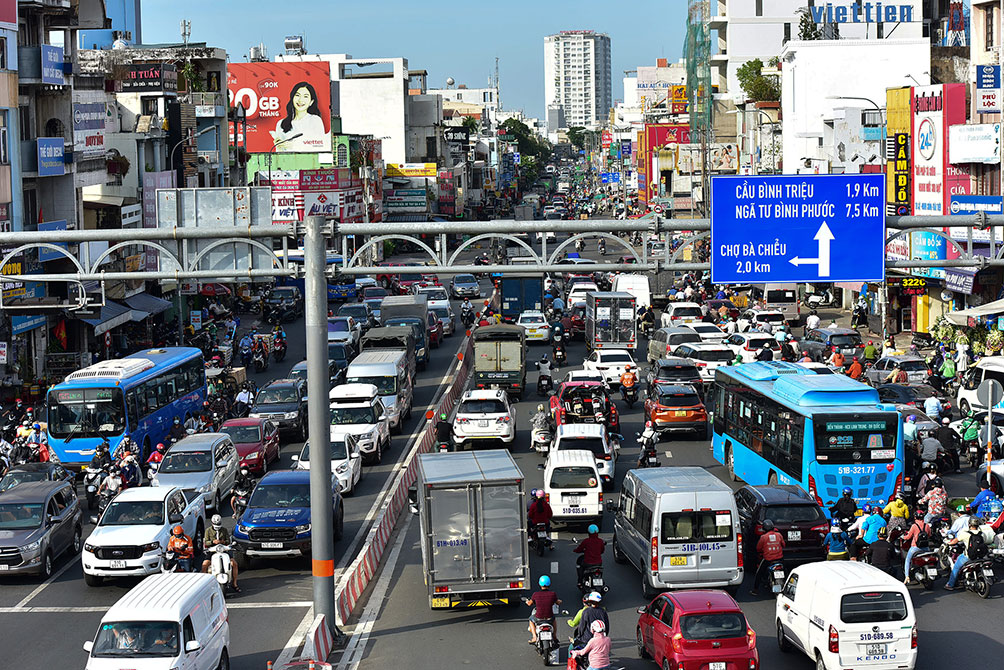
669	454
41	587
554	567
295	604
356	647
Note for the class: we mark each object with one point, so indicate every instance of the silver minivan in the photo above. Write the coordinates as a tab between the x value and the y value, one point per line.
665	340
680	527
387	369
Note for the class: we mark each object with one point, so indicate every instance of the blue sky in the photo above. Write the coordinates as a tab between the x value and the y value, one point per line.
449	39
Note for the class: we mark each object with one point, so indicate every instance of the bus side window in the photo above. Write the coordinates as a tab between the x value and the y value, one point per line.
642	520
150	393
132	409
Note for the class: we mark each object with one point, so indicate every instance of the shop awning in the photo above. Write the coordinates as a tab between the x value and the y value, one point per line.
106	200
961	317
112	315
143	302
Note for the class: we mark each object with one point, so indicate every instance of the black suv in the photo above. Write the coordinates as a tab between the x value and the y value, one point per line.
792	511
283	402
361	312
675	369
288	299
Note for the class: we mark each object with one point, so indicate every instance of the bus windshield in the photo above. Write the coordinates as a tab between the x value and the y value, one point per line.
385	385
86	412
856	438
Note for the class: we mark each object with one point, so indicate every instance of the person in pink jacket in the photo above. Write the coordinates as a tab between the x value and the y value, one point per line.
597	650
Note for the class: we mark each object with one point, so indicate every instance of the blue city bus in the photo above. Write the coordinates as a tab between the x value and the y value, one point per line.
781	423
139	394
341	287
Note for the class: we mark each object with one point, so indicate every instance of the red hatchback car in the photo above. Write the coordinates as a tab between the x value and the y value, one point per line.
697	630
256	440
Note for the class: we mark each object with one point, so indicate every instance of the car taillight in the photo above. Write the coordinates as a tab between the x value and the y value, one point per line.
606	457
739	550
655	554
822	529
812	491
678	643
913	637
750	639
834	646
547	497
442	589
601	498
748	348
503	419
897	487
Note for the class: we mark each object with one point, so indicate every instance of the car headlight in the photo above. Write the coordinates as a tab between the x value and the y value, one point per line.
305	528
204	488
253	455
289	415
31	546
254	415
150	546
89	547
342	468
242	529
421	352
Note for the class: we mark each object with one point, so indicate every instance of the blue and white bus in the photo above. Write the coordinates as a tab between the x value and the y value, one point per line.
781	423
139	395
341	287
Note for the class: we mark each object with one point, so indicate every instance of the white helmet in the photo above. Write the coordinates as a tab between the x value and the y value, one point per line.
598	626
217	521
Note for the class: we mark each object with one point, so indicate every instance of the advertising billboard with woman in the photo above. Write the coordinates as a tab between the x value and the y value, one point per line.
288	105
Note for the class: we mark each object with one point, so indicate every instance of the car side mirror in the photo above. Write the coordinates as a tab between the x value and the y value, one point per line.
88	645
175	518
94	520
642	609
413	499
50	519
192	645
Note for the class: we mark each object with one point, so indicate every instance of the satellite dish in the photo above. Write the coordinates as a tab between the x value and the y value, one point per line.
449	81
119	44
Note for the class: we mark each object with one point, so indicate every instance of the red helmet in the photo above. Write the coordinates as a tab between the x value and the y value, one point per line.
160	446
205	403
648	424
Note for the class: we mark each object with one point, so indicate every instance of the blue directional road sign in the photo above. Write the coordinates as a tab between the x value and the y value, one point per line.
798	228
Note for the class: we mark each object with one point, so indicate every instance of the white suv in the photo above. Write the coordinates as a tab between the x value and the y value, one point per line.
610	363
484	415
356	409
590	437
437	295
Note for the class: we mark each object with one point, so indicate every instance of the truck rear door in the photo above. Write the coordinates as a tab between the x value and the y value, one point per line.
510	353
450	535
502	541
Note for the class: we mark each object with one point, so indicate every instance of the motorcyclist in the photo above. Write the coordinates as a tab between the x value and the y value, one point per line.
969	428
597	650
540	510
930	473
467	312
217	534
836	542
836	359
543	602
648	436
898	512
177	431
975	549
125	447
544	365
897	376
592	611
932	407
871	352
929	448
112	483
936	499
770	549
910	431
130	472
871	522
918	530
101	460
541	420
242	482
947	438
984	496
182	547
590	550
628	380
846	507
854	370
243	397
37	442
444	430
157	455
880	553
765	353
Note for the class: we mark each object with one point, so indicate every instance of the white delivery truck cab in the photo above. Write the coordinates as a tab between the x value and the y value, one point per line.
680	527
844	614
169	620
573	487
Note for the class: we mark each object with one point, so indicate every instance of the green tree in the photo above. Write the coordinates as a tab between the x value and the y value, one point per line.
471	124
807	28
757	87
577	136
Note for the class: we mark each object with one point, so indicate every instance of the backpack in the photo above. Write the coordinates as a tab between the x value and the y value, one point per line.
977	547
923	538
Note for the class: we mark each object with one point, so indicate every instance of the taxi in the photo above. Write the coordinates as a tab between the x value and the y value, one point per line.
536	326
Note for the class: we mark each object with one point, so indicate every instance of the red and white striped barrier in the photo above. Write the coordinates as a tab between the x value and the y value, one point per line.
319	641
363	568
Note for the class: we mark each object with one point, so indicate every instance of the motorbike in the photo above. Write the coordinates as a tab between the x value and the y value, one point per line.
547	642
278	313
592	579
645	326
260	360
246	356
280	349
603	248
820	300
92	480
443	447
776	579
540	439
978	576
220	566
467	317
151	470
240	503
539	540
544	384
169	563
630	395
924	568
558	354
649	457
103	499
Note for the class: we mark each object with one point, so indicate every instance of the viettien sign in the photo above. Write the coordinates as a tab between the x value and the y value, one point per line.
864	12
798	228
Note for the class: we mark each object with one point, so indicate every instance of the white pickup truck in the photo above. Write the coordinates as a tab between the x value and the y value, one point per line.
131	536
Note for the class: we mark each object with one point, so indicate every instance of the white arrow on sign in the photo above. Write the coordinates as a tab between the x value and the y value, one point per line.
823	237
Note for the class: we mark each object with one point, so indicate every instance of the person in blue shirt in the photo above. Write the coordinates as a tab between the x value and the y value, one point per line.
720	295
558	305
869	529
932	407
984	496
836	542
910	429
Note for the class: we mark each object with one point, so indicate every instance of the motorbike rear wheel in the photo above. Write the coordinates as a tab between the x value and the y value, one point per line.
982	586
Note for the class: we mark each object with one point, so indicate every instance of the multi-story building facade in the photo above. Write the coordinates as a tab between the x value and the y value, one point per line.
577	76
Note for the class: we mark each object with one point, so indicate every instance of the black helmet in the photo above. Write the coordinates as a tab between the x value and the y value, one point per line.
937	482
768	525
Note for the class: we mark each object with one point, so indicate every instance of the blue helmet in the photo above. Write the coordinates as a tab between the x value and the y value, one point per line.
544	581
593	529
835	523
867	509
847	491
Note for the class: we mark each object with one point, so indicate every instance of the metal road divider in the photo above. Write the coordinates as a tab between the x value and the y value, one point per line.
358	575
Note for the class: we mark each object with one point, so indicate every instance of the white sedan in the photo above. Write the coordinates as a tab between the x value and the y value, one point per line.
535	325
610	363
708	332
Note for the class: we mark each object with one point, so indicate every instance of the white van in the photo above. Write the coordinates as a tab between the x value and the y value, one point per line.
681	314
844	614
387	369
573	487
680	527
168	620
988	367
636	285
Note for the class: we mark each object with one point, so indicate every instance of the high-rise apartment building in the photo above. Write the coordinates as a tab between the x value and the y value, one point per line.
577	76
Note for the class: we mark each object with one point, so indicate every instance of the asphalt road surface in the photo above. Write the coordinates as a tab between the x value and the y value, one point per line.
276	594
953	626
